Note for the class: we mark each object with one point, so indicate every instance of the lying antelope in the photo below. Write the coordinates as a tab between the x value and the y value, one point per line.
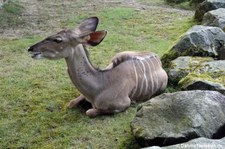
131	75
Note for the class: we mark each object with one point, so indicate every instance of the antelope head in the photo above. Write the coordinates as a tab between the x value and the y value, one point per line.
57	46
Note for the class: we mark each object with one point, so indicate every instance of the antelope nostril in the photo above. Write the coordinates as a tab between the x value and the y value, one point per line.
30	49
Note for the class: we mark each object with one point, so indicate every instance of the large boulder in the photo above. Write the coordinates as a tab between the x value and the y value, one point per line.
197	41
201	82
173	118
207	76
206	6
202	143
183	65
215	69
215	18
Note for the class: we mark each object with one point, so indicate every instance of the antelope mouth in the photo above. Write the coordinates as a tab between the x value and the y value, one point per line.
36	55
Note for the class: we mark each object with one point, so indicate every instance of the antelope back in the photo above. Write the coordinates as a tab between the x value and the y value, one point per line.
148	74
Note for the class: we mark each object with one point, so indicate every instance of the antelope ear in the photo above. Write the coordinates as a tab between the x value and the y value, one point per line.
94	39
87	26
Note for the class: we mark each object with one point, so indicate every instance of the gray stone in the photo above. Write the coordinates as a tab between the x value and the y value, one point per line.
207	76
179	68
197	41
215	18
206	6
221	52
215	69
182	66
199	143
173	118
202	84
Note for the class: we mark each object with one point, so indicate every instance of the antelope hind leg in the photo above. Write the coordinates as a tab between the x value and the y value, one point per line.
93	112
96	112
119	108
75	102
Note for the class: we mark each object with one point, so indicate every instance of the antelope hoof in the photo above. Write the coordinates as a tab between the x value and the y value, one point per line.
93	112
72	104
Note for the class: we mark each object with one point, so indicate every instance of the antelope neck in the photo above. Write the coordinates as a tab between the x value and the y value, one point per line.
82	73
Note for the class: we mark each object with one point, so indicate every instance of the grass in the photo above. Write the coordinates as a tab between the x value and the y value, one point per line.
186	4
34	94
10	14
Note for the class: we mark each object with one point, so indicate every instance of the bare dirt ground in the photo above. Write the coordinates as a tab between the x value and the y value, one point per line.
45	16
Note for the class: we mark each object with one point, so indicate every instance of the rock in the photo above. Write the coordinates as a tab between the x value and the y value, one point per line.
182	66
215	18
173	118
215	69
206	76
206	6
197	41
221	52
201	82
202	143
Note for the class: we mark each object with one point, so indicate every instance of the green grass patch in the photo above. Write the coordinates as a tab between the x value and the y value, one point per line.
184	5
181	4
136	31
34	95
10	14
152	2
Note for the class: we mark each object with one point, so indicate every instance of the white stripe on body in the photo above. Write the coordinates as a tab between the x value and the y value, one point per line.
146	85
136	79
151	79
143	80
146	78
154	75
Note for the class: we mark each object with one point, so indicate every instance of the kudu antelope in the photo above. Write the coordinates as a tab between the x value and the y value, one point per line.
131	75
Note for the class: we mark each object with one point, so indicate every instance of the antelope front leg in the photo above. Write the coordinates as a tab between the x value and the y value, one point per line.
75	102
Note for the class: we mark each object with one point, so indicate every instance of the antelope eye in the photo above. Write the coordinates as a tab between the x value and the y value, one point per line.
58	40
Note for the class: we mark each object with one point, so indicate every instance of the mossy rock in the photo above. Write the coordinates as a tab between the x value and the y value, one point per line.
202	41
215	18
212	143
182	66
174	118
206	6
197	81
215	69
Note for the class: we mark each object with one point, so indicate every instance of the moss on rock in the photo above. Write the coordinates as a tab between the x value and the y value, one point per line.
168	57
204	81
193	77
182	66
